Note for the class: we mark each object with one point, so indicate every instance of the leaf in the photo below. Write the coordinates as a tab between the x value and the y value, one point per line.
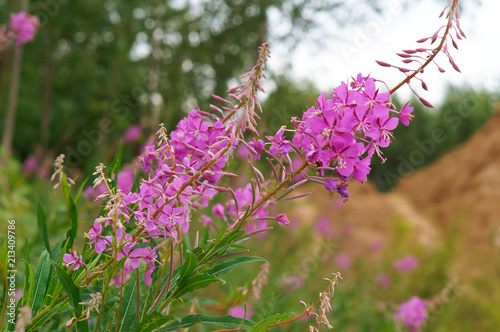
73	217
79	193
128	310
226	266
153	321
114	168
42	225
28	272
196	282
73	293
264	324
41	320
226	322
41	281
188	266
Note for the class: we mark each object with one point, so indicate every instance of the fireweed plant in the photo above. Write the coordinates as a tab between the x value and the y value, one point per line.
138	262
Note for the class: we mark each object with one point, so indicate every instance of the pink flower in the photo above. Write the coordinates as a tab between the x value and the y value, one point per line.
324	227
30	165
206	220
412	313
125	181
239	312
343	260
376	245
405	114
283	219
384	281
218	210
25	26
405	264
132	133
73	261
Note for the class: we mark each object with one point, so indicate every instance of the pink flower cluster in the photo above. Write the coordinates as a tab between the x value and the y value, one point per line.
339	135
412	314
406	264
24	26
342	134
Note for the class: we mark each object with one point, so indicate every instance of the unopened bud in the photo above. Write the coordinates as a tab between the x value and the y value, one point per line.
383	64
425	102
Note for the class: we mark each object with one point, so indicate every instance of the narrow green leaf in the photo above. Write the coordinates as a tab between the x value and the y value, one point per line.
128	310
28	279
73	293
263	324
42	225
79	192
153	321
188	266
228	265
40	281
226	322
41	320
196	282
73	217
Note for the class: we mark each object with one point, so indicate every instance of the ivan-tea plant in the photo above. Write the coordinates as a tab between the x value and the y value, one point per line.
138	266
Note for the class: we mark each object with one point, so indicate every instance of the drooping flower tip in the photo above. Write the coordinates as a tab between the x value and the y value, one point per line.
283	219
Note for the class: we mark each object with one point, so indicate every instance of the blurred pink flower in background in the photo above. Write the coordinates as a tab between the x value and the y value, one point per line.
376	245
133	133
29	165
347	230
412	314
405	264
338	203
206	220
239	312
384	280
343	260
324	227
25	26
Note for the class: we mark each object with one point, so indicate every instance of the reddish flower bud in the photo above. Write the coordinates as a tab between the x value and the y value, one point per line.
425	102
383	64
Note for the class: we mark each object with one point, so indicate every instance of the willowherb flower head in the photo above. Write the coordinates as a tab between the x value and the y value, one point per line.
93	304
24	27
412	314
